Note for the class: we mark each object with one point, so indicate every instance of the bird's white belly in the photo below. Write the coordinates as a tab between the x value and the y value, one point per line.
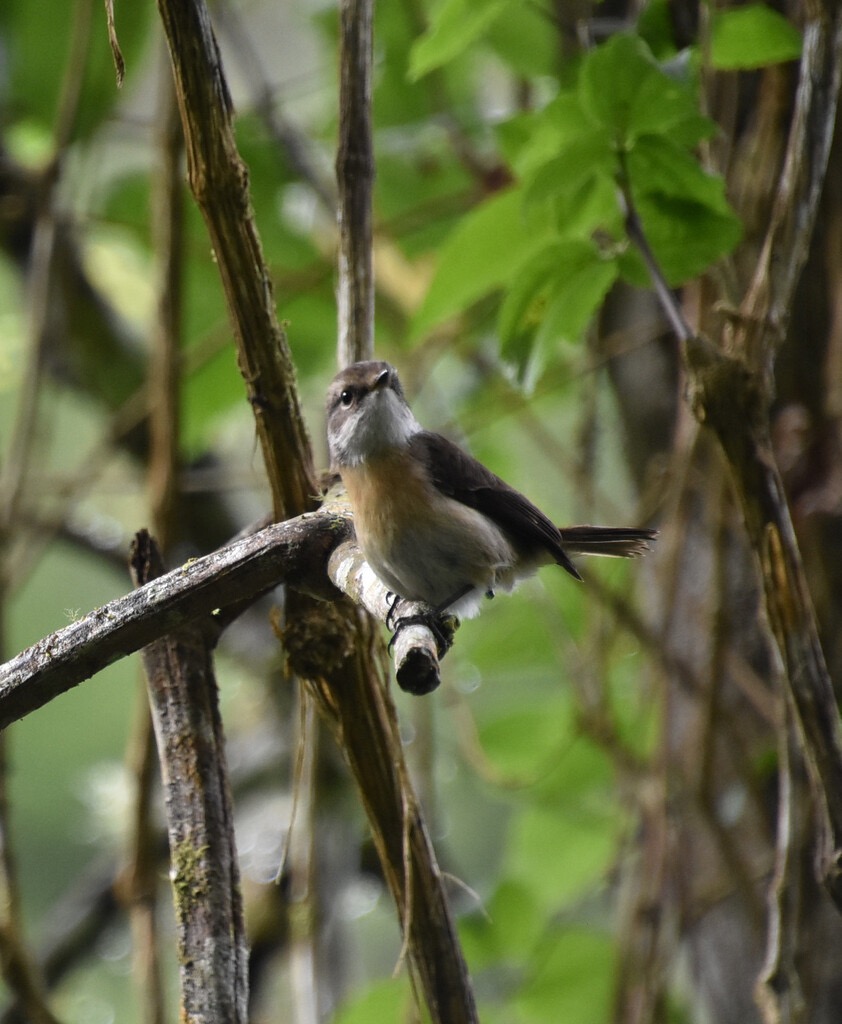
427	547
456	553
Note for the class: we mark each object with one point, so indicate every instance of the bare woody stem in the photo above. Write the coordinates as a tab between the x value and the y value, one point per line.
183	697
297	549
355	179
219	182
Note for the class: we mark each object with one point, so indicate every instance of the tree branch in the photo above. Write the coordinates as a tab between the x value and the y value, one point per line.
778	990
219	181
295	551
212	949
355	177
306	553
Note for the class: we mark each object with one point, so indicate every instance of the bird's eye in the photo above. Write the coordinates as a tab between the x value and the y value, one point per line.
346	398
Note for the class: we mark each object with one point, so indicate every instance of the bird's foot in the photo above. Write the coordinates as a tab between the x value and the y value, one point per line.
392	598
441	626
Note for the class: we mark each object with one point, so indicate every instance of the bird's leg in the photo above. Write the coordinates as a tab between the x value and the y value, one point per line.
437	623
393	599
441	626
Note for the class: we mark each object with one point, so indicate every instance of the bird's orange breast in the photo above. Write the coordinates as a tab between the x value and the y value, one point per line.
423	544
388	493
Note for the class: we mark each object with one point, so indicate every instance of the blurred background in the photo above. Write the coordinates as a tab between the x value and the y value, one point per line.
599	768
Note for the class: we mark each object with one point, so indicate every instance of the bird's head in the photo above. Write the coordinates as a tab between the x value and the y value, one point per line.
367	414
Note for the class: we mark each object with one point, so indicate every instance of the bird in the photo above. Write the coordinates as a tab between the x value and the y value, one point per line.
434	523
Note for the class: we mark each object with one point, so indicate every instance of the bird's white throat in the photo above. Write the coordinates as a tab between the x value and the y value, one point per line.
381	422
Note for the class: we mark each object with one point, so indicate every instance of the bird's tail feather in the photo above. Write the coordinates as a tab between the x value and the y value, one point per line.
616	541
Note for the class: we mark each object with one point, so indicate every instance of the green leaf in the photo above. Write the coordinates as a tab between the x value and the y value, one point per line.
575	303
516	919
527	140
579	160
655	26
592	207
583	774
455	25
580	198
508	929
566	319
552	299
663	105
684	211
610	80
526	297
531	139
524	741
397	101
622	88
632	268
478	258
658	166
572	981
521	38
686	236
558	854
752	37
385	1001
568	115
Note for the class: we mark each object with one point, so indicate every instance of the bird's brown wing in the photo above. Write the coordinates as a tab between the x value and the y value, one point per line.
461	477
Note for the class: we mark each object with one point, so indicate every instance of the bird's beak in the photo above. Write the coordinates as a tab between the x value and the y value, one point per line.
380	380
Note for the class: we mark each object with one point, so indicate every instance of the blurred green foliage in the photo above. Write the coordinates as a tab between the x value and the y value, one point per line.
557	241
500	234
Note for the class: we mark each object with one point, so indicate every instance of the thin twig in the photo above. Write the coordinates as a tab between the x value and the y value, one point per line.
355	177
634	229
140	893
163	382
778	990
301	865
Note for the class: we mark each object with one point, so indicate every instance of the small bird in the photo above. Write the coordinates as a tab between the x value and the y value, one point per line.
433	523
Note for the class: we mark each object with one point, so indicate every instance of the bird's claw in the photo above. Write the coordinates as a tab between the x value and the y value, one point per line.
441	626
392	599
